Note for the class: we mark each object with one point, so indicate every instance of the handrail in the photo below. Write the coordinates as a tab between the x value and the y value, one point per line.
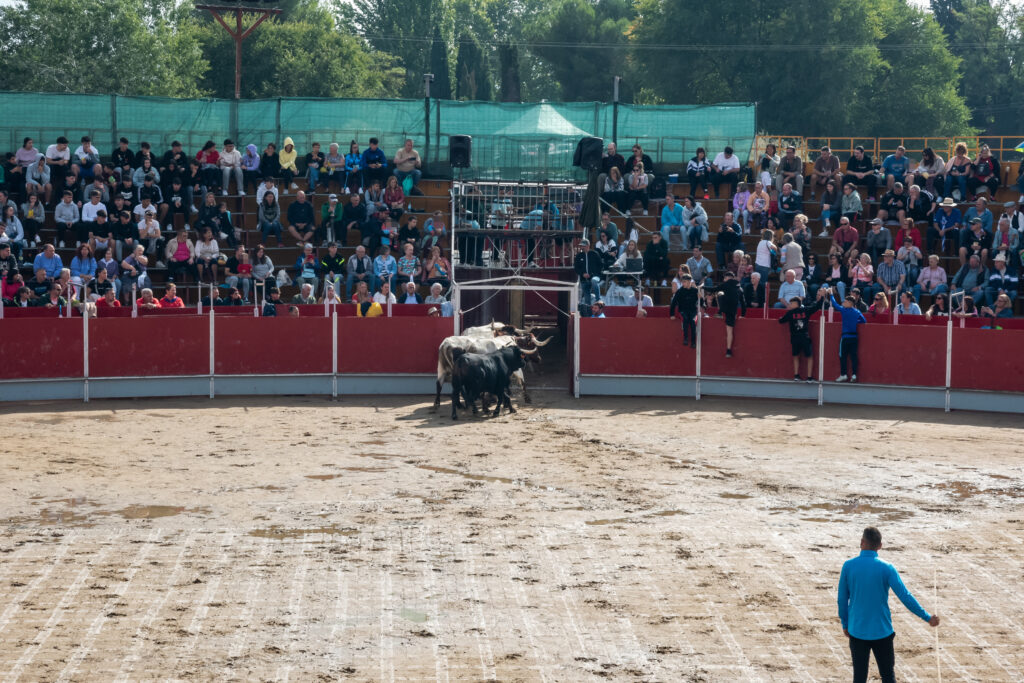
1003	146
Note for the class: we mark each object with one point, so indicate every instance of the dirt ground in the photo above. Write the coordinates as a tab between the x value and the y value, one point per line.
373	539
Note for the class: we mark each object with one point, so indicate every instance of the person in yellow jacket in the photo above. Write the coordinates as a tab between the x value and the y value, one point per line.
286	158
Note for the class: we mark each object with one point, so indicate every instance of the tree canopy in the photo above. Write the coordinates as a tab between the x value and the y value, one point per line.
845	67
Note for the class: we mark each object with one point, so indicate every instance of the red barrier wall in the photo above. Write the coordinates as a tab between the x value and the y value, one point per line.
900	355
38	348
390	345
988	359
627	346
149	346
270	346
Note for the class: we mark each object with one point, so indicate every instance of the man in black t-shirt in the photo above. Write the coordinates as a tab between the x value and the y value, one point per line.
798	316
861	171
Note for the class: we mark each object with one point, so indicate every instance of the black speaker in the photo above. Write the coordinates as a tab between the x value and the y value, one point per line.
460	151
588	153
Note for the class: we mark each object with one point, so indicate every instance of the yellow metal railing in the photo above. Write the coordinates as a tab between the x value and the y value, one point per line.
808	148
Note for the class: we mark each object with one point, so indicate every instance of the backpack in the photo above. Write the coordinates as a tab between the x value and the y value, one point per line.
658	188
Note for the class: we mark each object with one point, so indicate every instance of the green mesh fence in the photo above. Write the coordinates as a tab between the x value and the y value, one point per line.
530	141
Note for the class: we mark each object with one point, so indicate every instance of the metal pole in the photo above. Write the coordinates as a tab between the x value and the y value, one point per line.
767	295
700	326
427	79
949	357
821	357
456	308
615	109
574	301
213	362
238	53
85	354
135	301
334	354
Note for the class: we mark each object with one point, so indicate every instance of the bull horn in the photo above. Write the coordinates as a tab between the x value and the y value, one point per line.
540	343
530	352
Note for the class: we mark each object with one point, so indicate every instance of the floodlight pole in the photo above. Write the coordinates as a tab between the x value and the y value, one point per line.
237	33
615	109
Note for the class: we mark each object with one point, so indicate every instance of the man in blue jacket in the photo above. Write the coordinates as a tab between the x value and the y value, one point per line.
374	164
849	340
864	587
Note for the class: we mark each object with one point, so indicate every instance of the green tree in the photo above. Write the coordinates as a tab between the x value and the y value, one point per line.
810	79
584	45
131	47
472	71
304	56
440	67
405	29
977	34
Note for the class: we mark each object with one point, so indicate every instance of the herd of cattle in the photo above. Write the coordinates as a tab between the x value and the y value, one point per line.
483	363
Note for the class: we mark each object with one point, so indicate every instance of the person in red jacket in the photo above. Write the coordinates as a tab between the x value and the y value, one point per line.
108	300
170	298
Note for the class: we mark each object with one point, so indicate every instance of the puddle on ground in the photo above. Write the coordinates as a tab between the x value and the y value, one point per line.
150	511
413	615
619	520
81	512
734	496
466	475
854	508
425	499
602	522
280	533
963	490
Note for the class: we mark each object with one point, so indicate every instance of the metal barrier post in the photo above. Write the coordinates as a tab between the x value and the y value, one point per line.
213	365
574	302
135	301
334	355
821	355
700	326
949	357
767	295
85	354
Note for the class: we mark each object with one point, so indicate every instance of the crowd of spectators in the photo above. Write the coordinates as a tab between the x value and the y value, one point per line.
888	262
119	211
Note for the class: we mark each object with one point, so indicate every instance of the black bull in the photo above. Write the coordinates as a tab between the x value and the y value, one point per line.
476	374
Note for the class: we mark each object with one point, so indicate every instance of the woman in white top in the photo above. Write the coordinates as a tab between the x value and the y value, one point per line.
763	258
207	253
638	188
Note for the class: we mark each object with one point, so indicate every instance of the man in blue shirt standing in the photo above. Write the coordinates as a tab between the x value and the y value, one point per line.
864	608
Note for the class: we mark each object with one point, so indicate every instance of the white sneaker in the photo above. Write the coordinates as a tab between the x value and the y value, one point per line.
647	282
224	193
853	378
823	233
241	193
645	212
161	264
284	191
842	378
664	283
193	207
61	245
1021	200
294	186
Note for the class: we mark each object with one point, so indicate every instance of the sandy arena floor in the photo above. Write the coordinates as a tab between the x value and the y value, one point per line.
372	539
